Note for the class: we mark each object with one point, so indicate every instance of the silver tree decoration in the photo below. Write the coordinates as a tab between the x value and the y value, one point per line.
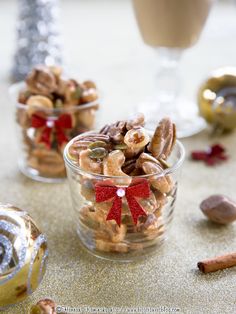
38	36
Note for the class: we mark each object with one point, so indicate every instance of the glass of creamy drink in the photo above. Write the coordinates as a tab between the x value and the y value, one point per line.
170	26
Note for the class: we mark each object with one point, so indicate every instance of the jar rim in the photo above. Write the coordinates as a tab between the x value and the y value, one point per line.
165	172
15	88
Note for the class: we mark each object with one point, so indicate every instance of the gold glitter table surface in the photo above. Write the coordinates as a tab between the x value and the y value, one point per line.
123	67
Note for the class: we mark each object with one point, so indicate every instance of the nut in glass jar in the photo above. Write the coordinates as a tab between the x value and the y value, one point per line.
45	125
120	216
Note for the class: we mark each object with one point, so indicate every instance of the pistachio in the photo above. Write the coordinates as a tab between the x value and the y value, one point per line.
121	146
97	144
58	103
98	153
219	208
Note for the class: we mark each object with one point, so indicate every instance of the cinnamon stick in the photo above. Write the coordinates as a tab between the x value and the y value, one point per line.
217	263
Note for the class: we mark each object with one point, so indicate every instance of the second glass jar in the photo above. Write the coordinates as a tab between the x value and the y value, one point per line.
44	132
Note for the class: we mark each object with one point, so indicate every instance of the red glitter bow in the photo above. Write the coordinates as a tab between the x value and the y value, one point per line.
211	156
141	190
62	122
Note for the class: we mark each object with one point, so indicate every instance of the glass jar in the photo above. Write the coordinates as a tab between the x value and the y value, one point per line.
43	134
96	198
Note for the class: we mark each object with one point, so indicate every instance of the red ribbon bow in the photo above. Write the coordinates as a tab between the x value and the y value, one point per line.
104	193
62	122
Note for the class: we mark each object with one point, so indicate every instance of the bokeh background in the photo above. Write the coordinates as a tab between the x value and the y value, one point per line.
102	42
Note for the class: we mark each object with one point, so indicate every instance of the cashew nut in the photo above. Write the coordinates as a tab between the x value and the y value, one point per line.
112	165
88	164
36	102
113	162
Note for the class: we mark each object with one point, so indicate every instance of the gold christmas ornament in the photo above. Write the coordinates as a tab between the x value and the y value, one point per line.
23	255
217	99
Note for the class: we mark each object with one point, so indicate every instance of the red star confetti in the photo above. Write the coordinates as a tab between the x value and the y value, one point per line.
211	156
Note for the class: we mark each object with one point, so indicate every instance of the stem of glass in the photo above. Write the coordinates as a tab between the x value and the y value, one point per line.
168	78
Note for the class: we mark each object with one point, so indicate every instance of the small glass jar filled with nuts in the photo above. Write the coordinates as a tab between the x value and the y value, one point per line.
50	111
123	182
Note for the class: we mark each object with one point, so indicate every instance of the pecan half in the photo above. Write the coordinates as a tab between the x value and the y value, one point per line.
115	131
146	157
163	183
129	165
163	139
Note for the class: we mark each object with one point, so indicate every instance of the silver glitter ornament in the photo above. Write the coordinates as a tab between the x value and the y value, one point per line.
38	36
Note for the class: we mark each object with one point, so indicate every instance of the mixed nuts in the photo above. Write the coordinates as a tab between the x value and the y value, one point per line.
51	110
123	167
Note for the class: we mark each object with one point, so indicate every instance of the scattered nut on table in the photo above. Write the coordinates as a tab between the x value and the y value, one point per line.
219	208
45	306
